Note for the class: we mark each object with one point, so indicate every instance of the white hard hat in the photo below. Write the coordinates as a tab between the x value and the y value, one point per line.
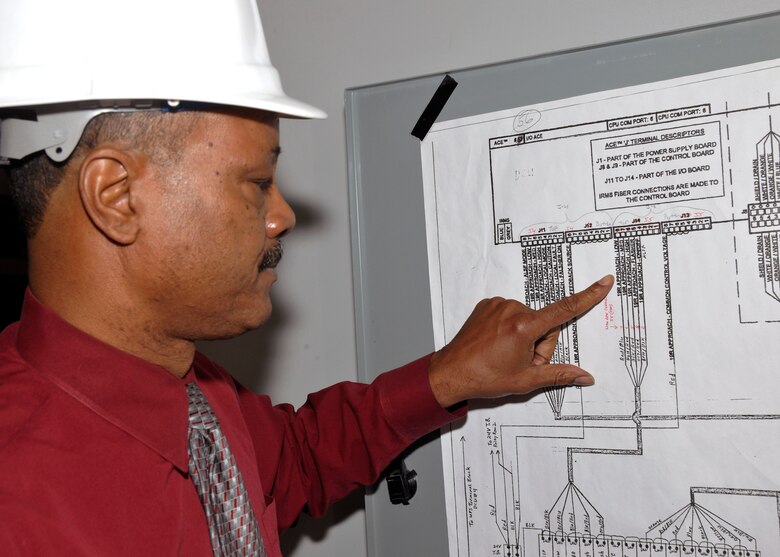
70	60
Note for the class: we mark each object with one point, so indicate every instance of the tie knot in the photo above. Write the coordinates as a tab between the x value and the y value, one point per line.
201	415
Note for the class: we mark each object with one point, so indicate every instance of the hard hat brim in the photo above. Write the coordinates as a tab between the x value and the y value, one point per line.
284	107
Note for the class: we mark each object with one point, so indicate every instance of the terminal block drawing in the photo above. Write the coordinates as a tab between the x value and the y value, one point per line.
764	214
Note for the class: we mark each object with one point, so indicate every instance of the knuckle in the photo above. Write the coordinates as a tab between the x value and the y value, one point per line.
516	310
569	305
485	305
560	378
515	305
520	325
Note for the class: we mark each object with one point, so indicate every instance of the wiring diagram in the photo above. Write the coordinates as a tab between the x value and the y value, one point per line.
673	187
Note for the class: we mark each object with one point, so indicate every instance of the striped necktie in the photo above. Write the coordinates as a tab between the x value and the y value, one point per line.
232	524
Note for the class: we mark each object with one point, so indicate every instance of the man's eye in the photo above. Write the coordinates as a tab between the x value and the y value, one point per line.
264	184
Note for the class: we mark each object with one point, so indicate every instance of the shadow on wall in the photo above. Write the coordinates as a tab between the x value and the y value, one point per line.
13	258
248	356
316	530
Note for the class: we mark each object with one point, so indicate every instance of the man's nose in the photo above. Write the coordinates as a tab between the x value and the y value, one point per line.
280	218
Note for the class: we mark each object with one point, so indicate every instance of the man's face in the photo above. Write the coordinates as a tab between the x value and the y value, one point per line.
214	235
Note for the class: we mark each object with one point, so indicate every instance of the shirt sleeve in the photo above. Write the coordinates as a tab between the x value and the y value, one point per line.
342	438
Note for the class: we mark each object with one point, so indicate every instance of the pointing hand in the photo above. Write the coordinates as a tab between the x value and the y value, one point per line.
504	348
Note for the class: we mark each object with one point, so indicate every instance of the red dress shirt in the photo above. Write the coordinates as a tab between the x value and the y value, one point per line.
93	444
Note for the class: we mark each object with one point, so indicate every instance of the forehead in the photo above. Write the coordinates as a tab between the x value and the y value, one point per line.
237	136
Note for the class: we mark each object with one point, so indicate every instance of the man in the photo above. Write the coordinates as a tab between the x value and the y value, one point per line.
162	227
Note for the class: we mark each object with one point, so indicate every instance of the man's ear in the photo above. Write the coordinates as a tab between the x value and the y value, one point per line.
106	187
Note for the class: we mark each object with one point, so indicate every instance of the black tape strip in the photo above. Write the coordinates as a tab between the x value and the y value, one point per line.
434	108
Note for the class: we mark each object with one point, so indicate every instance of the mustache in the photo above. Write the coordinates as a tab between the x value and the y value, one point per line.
272	257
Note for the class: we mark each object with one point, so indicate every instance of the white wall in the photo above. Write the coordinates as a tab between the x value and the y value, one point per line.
323	47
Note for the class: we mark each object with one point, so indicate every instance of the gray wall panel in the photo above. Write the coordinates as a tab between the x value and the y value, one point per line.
392	298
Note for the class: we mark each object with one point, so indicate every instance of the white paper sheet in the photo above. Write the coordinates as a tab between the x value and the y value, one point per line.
674	187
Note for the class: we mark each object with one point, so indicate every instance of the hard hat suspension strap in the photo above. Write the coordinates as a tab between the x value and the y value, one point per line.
56	133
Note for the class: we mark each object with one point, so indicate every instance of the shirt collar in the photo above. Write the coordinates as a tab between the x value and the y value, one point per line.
139	397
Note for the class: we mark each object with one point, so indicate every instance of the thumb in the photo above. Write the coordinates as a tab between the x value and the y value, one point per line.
554	375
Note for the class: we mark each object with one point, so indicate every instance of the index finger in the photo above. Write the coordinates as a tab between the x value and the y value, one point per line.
568	308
